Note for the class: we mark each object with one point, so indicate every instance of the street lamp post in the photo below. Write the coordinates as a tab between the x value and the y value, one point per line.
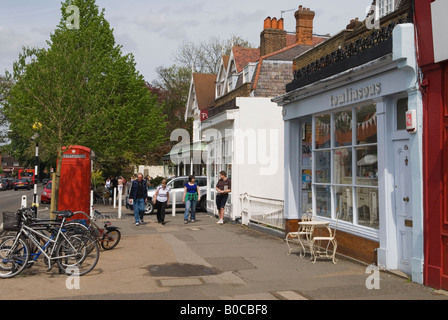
36	127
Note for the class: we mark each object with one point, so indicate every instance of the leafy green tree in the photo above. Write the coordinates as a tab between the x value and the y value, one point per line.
84	91
5	87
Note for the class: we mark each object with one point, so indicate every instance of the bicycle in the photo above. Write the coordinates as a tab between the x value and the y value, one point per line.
70	247
109	236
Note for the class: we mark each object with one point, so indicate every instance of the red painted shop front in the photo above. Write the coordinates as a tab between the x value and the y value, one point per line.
434	86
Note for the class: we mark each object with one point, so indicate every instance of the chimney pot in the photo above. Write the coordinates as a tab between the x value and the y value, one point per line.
281	24
273	37
267	23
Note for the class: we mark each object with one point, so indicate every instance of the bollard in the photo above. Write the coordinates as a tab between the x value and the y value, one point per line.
120	204
91	204
173	195
115	198
24	202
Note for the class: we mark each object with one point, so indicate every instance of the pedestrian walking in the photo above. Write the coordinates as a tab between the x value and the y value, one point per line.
107	184
190	198
139	196
223	188
120	185
161	200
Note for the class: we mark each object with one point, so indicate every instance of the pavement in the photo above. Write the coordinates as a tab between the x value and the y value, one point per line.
204	261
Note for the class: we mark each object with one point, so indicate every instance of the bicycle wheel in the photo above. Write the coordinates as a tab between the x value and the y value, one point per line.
110	239
77	254
14	256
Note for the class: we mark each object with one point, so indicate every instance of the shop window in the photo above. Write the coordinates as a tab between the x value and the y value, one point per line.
306	159
367	166
343	128
323	201
323	131
366	124
345	166
367	207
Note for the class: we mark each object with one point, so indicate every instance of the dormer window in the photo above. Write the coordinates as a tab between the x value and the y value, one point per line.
385	7
232	80
249	72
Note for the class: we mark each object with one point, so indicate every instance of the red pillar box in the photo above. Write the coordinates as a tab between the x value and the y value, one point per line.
75	181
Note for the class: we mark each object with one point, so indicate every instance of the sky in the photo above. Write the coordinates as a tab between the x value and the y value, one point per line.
153	30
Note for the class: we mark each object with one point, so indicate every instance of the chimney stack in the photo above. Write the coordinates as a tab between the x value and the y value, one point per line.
354	23
304	25
273	37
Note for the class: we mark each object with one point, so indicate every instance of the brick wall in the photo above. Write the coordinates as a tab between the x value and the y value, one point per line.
243	91
304	25
272	40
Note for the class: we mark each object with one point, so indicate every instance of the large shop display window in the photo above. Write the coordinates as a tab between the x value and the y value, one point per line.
344	170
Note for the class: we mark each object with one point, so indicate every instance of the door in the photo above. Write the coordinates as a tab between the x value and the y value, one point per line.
403	204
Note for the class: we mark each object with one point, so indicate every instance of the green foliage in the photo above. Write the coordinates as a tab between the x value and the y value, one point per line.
157	181
97	178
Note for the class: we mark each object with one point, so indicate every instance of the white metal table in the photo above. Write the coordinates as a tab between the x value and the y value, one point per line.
308	228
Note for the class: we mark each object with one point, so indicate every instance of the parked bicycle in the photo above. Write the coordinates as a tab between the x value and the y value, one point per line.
109	236
69	245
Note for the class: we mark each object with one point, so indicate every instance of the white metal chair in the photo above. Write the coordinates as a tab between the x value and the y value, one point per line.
296	236
331	239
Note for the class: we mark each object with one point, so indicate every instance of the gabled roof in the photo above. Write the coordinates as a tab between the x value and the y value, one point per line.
205	89
201	95
225	61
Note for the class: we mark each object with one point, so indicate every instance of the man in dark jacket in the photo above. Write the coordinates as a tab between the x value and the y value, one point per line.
139	196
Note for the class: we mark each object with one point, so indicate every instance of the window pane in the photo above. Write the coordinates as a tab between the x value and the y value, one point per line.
366	124
344	203
402	108
323	201
323	166
343	128
307	201
367	201
323	131
343	166
367	166
307	140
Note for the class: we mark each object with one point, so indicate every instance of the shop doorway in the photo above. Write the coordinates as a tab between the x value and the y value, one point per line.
403	204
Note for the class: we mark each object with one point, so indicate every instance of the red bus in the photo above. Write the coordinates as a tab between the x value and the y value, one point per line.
26	173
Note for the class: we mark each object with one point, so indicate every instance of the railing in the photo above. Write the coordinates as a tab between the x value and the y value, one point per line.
263	211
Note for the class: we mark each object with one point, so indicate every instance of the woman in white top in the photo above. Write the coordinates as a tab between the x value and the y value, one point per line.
161	200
